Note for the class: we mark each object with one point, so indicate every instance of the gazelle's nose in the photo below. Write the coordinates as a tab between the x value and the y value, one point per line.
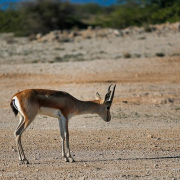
108	119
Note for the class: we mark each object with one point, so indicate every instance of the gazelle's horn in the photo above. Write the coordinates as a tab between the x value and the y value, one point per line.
109	88
112	96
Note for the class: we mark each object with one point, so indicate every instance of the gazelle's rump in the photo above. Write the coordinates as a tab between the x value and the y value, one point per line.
15	105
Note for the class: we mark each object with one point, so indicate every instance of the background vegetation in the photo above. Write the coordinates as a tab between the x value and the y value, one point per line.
42	16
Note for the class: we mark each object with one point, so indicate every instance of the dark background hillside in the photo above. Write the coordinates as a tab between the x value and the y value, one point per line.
42	16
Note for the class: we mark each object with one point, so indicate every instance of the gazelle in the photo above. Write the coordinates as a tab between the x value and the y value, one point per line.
28	103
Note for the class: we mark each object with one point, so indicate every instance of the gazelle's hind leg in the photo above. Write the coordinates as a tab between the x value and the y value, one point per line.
27	115
21	120
24	123
21	127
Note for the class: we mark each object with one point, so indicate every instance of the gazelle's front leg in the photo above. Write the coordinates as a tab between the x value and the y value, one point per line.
63	139
66	134
63	122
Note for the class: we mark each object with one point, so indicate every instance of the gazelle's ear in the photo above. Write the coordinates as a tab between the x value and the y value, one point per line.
98	97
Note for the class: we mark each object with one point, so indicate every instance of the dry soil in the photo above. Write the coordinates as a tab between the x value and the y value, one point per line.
142	141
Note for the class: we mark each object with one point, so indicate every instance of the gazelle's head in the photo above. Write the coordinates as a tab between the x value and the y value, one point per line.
104	112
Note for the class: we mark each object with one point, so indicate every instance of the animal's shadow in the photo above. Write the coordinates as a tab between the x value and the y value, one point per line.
131	159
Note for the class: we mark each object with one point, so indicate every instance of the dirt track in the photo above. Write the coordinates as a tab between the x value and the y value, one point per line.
141	142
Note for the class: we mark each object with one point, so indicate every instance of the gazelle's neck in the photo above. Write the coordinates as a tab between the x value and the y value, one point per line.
88	107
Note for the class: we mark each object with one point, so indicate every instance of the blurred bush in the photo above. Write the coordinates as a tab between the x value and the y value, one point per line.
140	12
42	16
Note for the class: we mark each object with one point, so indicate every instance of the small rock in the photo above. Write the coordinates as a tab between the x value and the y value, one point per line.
38	36
89	28
82	178
150	136
117	32
170	100
125	102
32	37
164	101
146	94
158	139
85	164
14	150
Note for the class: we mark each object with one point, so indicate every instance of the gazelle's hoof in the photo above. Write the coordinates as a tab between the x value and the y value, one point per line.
24	161
65	159
71	159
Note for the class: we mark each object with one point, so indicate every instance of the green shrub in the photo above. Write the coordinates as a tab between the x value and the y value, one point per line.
160	54
42	16
126	55
31	17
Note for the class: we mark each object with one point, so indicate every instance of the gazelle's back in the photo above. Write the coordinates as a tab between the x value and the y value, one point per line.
47	98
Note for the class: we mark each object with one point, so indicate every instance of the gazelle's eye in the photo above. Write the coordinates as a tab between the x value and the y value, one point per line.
108	108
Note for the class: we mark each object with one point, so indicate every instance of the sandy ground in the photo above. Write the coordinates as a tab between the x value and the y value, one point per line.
142	141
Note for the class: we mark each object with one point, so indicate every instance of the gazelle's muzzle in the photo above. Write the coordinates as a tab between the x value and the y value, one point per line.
108	117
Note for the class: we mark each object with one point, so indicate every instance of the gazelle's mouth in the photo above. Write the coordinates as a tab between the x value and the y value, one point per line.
108	118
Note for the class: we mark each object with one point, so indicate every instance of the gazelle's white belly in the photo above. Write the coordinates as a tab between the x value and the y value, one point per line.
49	112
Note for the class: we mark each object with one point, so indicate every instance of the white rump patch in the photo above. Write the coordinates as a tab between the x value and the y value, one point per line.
17	104
49	112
